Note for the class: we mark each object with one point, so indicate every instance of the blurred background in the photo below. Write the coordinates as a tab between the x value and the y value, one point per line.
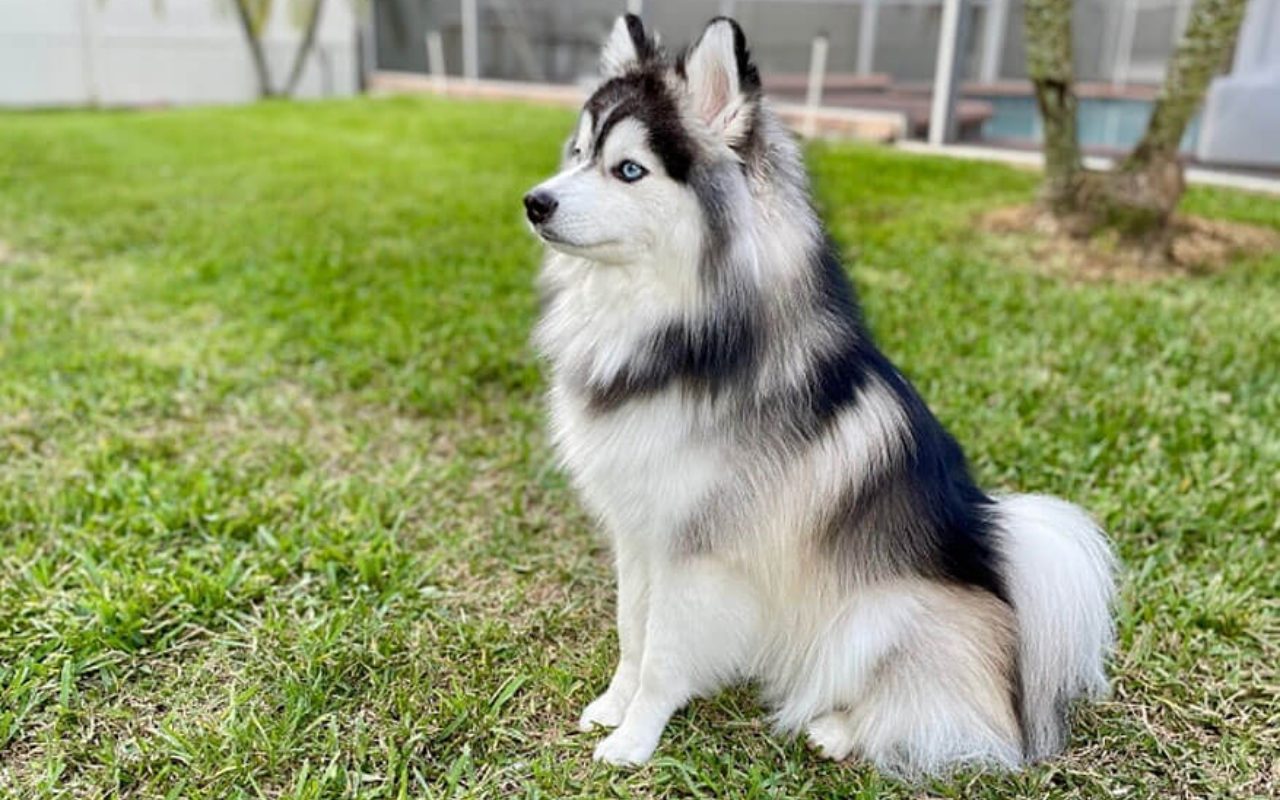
879	61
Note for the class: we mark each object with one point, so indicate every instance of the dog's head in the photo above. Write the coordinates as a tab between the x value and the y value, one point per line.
657	151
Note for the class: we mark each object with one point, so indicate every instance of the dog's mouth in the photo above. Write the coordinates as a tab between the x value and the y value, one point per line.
552	238
560	243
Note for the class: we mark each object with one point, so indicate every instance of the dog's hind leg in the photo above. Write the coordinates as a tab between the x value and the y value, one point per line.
948	694
703	623
914	676
633	604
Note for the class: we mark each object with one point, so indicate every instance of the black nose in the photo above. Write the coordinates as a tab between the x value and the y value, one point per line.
539	206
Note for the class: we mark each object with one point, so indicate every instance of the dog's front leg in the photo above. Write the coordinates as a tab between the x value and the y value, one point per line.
701	628
632	570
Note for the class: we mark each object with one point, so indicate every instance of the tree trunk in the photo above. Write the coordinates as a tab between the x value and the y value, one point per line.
1145	188
1139	196
308	41
255	49
1049	63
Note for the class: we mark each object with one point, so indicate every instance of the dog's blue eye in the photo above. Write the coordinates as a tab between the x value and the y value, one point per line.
630	171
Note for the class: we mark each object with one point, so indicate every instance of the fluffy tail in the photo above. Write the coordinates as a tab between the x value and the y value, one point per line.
1060	575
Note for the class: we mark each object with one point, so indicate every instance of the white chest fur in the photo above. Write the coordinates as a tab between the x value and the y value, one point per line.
644	467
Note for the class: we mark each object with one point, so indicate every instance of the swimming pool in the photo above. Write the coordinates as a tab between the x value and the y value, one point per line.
1103	122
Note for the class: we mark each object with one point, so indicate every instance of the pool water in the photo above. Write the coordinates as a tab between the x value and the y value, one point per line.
1102	122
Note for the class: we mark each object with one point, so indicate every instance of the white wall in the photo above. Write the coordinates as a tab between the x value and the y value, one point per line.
125	52
1241	118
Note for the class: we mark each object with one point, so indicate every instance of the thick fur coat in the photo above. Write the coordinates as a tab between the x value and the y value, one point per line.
782	505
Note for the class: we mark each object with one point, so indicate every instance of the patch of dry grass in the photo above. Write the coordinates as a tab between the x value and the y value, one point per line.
1200	246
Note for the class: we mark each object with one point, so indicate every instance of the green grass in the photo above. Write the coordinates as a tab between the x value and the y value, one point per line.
278	517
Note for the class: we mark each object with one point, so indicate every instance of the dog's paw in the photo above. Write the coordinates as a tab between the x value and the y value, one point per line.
624	748
831	736
605	711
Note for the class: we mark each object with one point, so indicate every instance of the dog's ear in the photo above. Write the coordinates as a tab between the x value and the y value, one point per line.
723	84
627	47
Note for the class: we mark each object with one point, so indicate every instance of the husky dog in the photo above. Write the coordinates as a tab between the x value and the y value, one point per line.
782	505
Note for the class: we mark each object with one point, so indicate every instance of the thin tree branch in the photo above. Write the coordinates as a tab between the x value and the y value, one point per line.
304	48
1049	63
255	48
1207	43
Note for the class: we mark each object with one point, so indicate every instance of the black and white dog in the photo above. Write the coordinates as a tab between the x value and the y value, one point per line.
783	506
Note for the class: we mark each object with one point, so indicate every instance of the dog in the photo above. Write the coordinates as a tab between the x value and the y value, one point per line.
782	506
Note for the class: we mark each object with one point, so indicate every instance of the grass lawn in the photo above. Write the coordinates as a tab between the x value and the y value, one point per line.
278	517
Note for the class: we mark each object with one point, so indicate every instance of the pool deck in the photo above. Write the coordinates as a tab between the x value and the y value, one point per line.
1032	159
884	126
879	125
